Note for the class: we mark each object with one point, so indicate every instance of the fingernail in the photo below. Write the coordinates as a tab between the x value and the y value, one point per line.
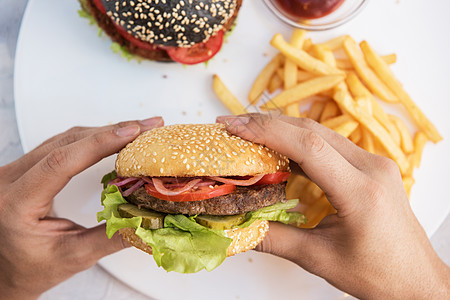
221	119
236	121
151	121
128	131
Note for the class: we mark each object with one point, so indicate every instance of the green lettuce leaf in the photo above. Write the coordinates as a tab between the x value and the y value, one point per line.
183	245
108	178
276	212
116	48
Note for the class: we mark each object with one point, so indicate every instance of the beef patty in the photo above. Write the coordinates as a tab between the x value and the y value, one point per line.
242	200
105	23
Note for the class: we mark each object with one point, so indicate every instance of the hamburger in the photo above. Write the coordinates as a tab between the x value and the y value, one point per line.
185	31
192	195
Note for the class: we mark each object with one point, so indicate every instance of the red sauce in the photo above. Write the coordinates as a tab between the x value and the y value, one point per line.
307	9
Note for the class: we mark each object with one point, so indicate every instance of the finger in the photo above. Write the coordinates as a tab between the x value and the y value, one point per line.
320	162
26	162
297	245
357	156
97	244
45	179
352	153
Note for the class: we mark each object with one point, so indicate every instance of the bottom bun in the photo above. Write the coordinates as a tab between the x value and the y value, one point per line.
244	239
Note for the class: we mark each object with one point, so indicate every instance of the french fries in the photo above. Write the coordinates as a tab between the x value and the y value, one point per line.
365	72
275	83
345	102
227	98
302	90
316	81
292	110
290	68
303	59
383	71
406	139
316	110
263	79
330	110
347	65
420	140
336	43
337	121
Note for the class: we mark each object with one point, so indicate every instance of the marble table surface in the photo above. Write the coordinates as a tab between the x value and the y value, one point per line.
94	283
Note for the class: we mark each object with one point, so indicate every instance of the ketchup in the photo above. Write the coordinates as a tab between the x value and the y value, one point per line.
307	9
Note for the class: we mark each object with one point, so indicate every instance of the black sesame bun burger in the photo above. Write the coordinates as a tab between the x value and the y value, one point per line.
185	31
192	195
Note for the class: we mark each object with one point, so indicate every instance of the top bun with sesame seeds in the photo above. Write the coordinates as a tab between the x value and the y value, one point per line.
158	29
196	150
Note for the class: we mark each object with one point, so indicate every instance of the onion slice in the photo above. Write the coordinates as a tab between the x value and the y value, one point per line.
124	181
245	182
159	186
129	191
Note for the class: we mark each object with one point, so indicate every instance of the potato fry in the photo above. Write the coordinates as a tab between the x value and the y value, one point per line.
384	72
290	74
347	65
344	64
316	110
408	182
390	58
356	135
406	139
290	68
275	83
367	142
330	110
262	81
420	139
324	54
365	72
303	59
292	110
335	43
346	103
298	38
359	90
303	76
307	44
227	98
347	128
302	91
337	121
280	72
365	103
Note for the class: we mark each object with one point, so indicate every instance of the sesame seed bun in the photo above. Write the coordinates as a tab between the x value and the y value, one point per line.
196	150
244	239
171	23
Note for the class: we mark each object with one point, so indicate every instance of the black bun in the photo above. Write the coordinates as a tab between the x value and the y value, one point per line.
178	23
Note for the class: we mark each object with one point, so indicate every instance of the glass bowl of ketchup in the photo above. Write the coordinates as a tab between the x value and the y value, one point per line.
315	14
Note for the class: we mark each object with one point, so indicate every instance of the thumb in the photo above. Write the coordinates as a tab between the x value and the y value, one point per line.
289	242
98	243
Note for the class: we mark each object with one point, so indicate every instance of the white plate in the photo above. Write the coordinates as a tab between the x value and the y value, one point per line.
66	75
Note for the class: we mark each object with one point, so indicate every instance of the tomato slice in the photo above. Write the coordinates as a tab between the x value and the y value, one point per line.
199	52
100	6
274	178
203	193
